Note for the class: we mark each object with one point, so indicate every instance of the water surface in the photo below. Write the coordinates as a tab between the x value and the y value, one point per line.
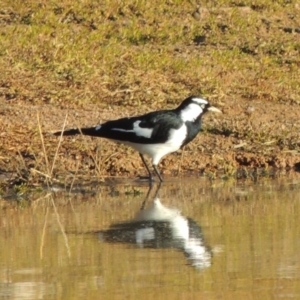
196	240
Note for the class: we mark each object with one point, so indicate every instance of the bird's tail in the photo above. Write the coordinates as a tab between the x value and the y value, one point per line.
85	131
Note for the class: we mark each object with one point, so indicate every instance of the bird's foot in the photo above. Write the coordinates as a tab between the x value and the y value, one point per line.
146	178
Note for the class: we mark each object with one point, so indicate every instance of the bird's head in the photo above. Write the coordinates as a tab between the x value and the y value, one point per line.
192	108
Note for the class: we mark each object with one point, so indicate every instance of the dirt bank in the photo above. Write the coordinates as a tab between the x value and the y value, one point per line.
245	137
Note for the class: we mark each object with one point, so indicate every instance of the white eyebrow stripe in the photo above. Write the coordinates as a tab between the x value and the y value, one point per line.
200	100
139	131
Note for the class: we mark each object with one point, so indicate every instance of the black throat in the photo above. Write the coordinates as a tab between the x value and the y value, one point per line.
193	128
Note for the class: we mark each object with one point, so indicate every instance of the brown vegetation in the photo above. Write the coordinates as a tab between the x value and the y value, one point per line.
100	61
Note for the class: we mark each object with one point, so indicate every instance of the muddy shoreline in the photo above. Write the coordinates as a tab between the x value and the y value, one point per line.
232	145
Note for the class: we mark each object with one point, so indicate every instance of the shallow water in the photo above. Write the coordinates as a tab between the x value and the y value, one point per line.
197	240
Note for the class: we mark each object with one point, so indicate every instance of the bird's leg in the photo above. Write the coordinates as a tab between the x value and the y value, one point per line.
145	164
157	173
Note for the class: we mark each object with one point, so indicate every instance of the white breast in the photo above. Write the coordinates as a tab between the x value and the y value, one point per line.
157	151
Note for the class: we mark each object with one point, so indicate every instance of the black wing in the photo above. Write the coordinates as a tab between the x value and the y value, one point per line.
159	122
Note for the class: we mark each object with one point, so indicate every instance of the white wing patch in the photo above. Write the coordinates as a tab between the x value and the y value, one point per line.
139	131
98	127
192	111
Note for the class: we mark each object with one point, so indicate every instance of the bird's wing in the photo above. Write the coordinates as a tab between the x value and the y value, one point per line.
161	123
150	128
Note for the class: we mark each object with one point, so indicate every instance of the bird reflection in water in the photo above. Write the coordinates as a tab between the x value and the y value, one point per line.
158	226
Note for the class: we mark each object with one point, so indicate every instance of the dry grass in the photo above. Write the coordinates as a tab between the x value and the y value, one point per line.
137	56
135	53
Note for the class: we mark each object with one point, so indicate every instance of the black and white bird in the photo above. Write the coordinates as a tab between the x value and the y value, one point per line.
155	134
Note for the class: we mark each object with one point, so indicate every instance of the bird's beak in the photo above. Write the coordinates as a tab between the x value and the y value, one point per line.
214	109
